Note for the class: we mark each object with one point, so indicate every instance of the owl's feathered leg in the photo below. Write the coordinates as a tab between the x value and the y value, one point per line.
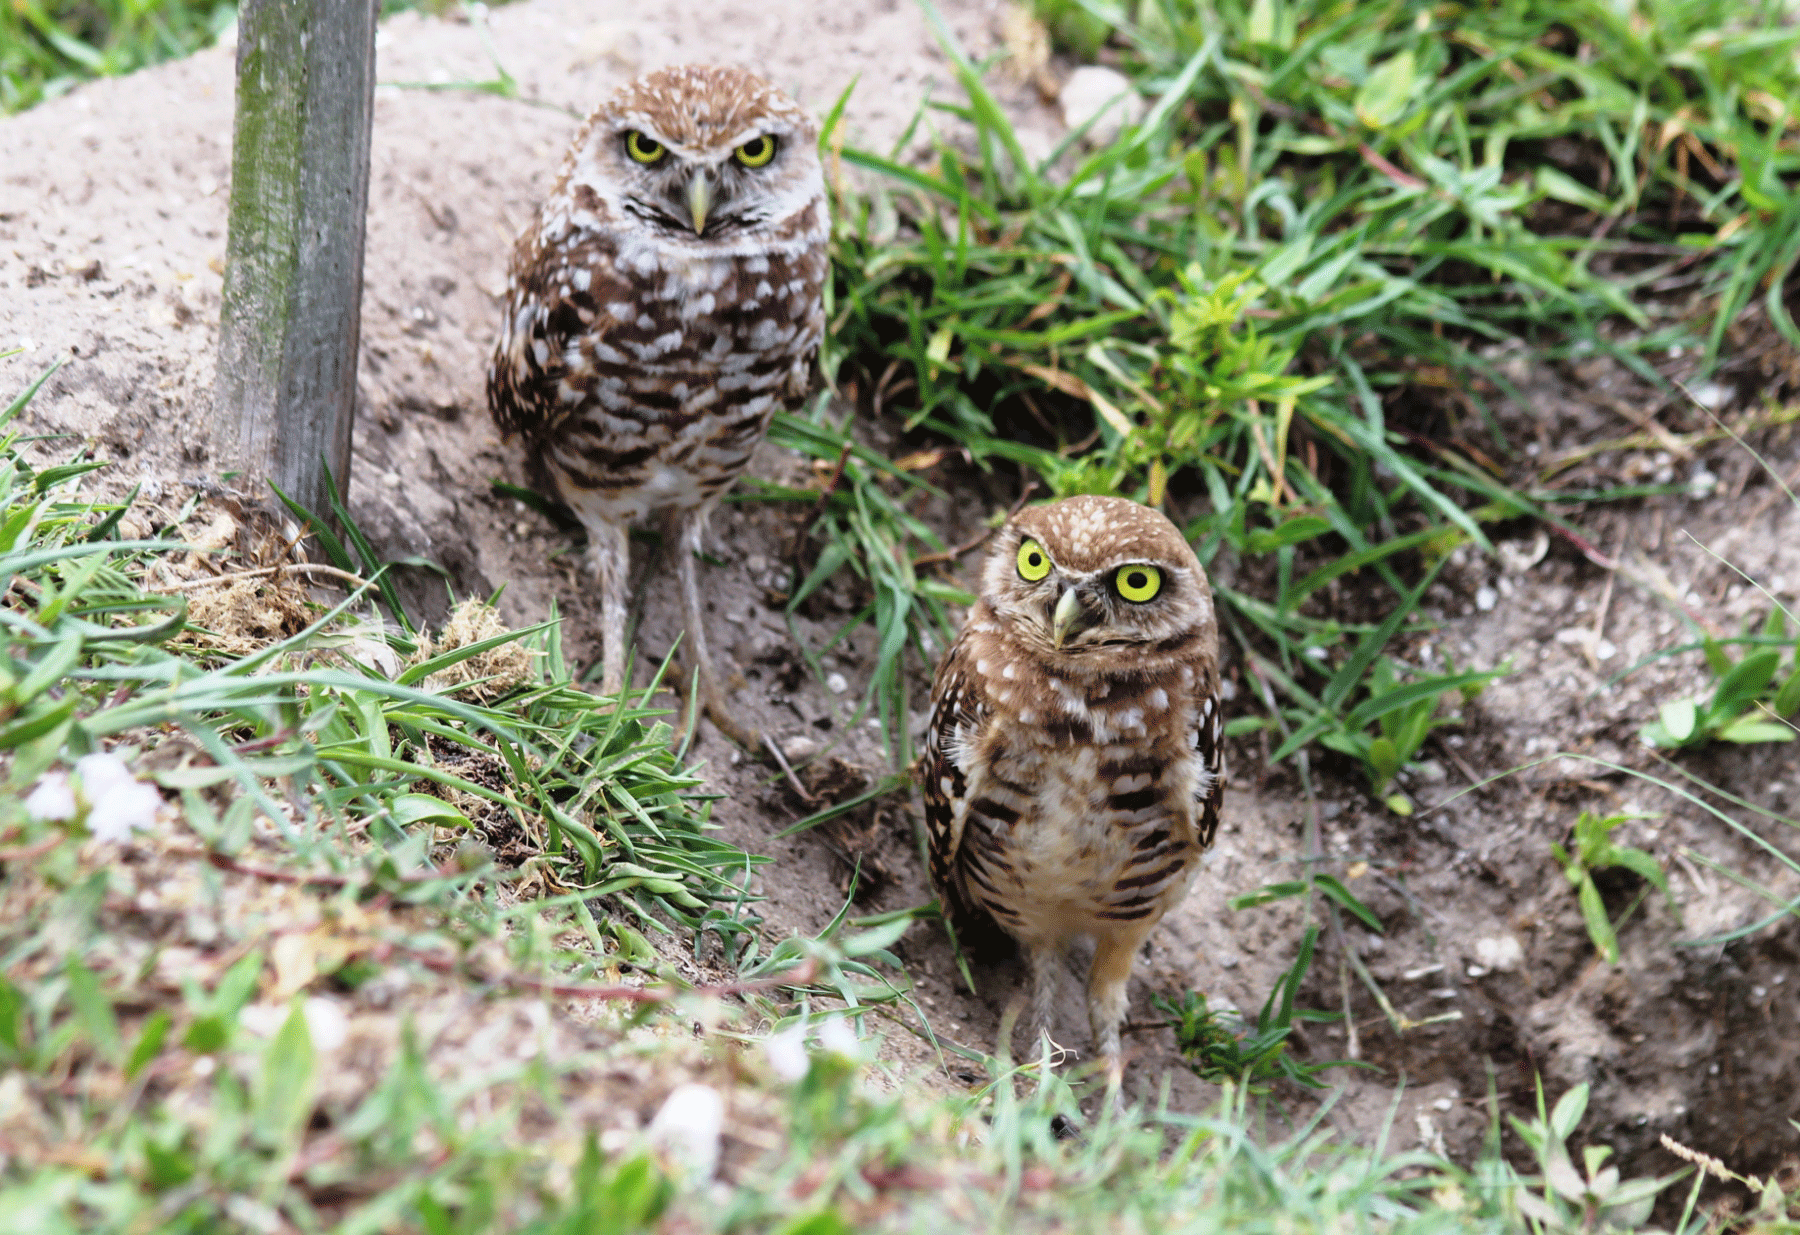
696	655
609	550
1113	958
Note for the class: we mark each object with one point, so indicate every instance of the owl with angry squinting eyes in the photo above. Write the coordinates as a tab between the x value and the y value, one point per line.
1073	767
664	304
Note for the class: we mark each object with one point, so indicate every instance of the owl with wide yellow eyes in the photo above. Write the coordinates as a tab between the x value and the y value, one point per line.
1073	767
662	307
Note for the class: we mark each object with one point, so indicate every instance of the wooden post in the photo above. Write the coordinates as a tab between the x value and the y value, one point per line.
288	330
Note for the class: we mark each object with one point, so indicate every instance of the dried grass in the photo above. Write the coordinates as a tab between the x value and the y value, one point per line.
492	673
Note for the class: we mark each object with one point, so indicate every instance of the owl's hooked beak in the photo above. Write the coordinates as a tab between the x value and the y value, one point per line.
1072	616
699	200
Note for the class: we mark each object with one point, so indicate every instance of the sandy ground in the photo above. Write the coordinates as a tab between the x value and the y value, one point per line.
112	237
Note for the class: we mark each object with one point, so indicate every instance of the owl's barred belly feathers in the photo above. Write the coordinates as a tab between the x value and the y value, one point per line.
1084	811
1073	767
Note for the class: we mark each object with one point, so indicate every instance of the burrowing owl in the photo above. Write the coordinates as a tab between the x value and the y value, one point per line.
661	308
1073	768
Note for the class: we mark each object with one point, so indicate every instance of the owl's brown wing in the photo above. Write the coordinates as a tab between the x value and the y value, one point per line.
554	319
1207	736
959	711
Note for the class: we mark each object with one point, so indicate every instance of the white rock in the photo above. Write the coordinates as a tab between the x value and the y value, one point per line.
1093	91
836	683
326	1023
1518	556
1710	395
689	1126
263	1019
1499	952
1486	598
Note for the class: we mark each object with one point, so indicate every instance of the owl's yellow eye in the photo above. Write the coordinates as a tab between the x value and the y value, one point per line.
1138	583
1034	563
757	151
643	149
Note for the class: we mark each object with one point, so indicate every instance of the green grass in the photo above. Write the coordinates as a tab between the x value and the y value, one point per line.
1268	304
1266	308
297	999
49	46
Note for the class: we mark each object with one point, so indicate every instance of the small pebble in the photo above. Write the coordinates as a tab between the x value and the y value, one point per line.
326	1023
837	684
1710	395
1499	952
1093	90
799	747
1486	598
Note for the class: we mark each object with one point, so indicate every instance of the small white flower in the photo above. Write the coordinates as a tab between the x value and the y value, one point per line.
52	799
787	1053
838	1036
100	774
118	802
688	1128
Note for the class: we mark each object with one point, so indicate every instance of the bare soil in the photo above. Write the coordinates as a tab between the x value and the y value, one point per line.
112	238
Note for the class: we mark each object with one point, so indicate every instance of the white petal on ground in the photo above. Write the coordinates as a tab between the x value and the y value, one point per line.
838	1036
122	809
51	799
787	1053
688	1128
99	774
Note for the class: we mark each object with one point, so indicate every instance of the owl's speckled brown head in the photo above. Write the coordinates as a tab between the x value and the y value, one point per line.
1097	579
701	158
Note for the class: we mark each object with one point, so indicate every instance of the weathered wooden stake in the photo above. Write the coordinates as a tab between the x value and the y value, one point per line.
288	330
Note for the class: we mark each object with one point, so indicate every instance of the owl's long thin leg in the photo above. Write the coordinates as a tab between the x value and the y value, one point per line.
1113	958
609	549
696	656
1044	961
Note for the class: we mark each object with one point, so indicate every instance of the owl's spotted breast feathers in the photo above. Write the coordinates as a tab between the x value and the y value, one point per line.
646	347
